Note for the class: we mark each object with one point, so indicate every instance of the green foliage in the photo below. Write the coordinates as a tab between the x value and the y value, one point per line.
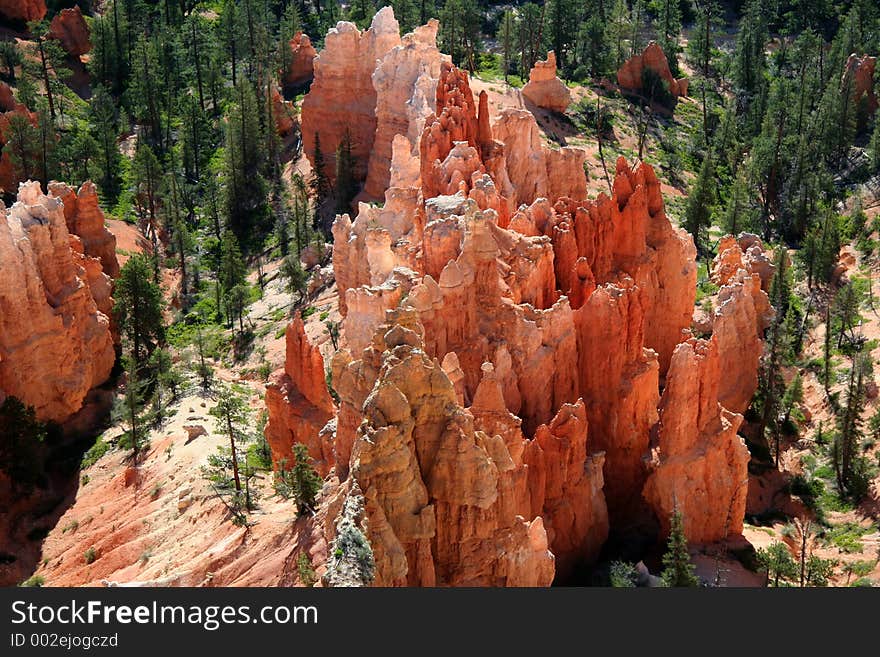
698	212
305	482
847	537
819	571
21	444
346	185
295	278
351	561
677	567
623	574
305	570
656	90
95	452
90	555
34	581
778	563
138	307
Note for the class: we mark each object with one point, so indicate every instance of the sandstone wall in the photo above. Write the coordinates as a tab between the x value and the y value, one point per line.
55	343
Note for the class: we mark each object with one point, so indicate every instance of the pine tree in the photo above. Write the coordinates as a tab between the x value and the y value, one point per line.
138	307
778	563
104	121
147	173
678	569
246	191
232	269
129	410
592	46
507	39
698	213
294	276
306	482
669	29
737	216
849	465
319	183
346	185
874	148
232	419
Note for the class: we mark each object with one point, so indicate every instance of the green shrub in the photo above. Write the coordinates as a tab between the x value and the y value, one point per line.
90	555
306	572
94	454
846	537
34	581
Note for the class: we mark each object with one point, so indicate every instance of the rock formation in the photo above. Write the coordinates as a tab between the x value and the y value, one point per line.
301	69
405	82
630	75
342	98
299	403
70	28
505	343
861	72
700	465
546	90
85	219
55	343
23	10
459	496
284	113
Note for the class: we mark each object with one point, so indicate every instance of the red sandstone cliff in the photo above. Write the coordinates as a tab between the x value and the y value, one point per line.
299	403
70	28
302	56
23	10
630	74
342	97
504	346
55	343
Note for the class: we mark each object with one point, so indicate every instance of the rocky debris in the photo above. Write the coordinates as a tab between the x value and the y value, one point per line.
861	72
184	498
7	98
299	403
71	29
194	431
342	97
55	344
23	10
630	76
301	69
546	90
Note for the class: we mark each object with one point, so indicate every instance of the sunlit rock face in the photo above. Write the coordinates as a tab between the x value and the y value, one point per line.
546	90
517	377
55	341
342	98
